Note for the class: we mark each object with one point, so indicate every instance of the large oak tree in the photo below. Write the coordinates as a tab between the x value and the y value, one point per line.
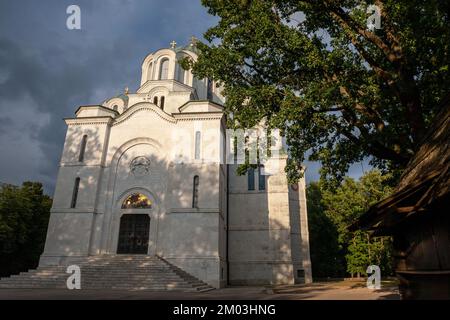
336	88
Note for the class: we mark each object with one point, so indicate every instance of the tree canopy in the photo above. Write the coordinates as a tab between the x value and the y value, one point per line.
24	215
337	89
334	249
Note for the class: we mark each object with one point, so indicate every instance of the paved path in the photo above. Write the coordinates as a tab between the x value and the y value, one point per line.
317	291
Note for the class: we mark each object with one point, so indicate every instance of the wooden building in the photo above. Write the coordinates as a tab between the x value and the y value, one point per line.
417	216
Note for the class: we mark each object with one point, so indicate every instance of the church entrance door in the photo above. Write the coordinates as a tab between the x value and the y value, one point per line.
133	234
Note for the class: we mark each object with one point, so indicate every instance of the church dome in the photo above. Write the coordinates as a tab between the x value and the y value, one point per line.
189	47
118	103
124	97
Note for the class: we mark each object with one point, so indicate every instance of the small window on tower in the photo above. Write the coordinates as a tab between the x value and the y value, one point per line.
197	144
261	178
195	192
155	100
76	186
82	148
251	179
116	107
162	102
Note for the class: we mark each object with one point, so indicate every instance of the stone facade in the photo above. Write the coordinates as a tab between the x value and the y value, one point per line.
164	145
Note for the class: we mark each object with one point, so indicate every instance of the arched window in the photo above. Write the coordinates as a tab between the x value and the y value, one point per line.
82	148
164	69
251	179
197	144
162	102
180	74
261	178
195	192
136	201
150	71
76	186
116	107
155	100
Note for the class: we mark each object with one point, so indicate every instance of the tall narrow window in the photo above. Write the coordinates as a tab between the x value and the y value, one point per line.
195	192
251	179
180	74
116	107
155	100
150	71
235	153
162	102
209	92
164	69
197	144
261	178
82	148
76	186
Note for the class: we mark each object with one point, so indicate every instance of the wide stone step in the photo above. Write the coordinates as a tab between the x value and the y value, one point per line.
99	285
126	267
98	280
109	278
128	288
112	272
124	272
90	273
155	289
101	270
102	276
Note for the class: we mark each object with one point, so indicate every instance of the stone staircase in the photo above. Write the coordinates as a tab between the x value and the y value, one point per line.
120	272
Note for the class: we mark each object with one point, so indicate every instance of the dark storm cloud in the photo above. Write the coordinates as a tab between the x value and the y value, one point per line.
46	70
4	124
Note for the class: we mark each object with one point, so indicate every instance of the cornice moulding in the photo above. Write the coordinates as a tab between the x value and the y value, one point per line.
89	120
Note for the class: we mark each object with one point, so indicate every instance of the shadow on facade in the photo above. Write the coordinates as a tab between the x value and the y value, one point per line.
188	233
265	245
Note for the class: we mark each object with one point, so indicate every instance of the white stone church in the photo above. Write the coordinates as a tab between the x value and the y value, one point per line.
138	176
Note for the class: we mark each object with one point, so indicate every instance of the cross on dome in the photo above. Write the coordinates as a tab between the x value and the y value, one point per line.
173	44
193	41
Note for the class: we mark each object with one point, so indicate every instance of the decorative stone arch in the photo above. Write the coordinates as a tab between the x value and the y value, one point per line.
130	143
159	91
163	71
159	56
146	75
121	105
142	106
142	190
153	213
112	218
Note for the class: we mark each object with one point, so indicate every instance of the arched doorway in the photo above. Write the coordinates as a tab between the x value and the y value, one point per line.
134	229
